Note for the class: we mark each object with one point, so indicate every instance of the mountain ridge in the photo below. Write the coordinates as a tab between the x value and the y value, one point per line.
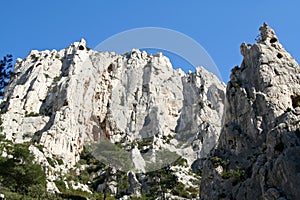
159	132
64	100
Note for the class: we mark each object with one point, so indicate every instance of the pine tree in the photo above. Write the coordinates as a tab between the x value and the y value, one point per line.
6	68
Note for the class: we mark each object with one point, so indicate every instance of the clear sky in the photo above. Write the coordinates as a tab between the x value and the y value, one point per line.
219	26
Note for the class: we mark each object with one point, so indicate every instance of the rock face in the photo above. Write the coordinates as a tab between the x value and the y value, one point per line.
245	144
258	153
63	100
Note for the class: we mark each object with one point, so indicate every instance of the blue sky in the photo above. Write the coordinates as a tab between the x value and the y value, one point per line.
219	26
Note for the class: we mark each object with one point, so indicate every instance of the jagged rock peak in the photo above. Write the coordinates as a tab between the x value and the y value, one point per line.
63	100
267	36
259	147
266	33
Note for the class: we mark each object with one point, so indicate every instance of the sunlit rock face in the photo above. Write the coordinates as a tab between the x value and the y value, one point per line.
244	143
62	100
258	153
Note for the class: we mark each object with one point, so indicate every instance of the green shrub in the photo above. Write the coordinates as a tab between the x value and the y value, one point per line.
288	109
40	148
237	174
144	142
60	161
50	161
75	194
72	175
19	175
32	114
143	197
216	161
84	177
180	161
56	79
194	192
180	190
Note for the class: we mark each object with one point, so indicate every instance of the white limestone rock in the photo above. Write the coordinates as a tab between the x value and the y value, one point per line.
62	100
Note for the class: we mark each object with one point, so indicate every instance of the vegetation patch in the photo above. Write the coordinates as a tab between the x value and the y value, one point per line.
181	162
237	174
56	79
46	75
144	142
20	178
50	161
32	114
217	161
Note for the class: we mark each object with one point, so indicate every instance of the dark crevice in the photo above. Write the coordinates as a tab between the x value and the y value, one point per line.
110	68
273	40
37	135
295	101
81	47
23	79
279	55
279	147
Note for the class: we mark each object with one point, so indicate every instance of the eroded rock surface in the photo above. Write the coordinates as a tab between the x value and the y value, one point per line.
258	152
62	100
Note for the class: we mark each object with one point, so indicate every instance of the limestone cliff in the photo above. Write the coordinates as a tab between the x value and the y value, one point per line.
244	144
62	100
258	153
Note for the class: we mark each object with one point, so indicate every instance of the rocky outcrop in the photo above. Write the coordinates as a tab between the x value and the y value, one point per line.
258	153
62	100
154	122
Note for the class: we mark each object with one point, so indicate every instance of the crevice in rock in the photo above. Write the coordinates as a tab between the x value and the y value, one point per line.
23	79
81	47
295	101
279	55
37	135
110	68
273	40
29	89
103	128
67	62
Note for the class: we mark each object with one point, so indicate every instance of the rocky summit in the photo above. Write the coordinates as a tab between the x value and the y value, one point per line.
258	152
104	125
154	115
